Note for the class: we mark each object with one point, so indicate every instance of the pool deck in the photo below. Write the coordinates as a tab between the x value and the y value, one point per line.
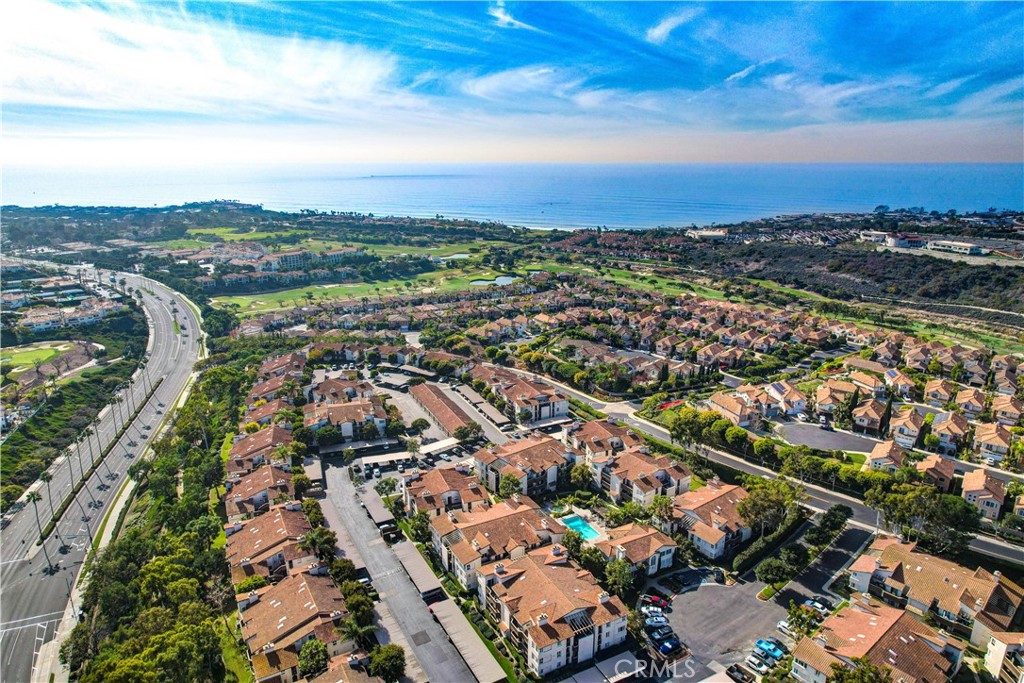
587	517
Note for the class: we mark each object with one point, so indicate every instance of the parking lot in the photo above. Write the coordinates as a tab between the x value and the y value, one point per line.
720	624
808	434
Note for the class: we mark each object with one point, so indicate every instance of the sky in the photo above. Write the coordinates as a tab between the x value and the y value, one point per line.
182	84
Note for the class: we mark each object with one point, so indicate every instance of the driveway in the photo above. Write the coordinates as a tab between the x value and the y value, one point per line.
411	410
436	654
721	623
805	434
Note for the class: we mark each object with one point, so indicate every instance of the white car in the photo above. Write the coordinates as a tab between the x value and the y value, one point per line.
783	626
650	611
758	665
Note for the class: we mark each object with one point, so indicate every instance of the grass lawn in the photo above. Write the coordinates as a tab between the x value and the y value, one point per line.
232	235
803	294
236	663
856	458
445	280
180	244
469	247
30	353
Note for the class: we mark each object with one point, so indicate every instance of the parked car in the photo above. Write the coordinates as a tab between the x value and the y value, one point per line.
779	644
758	665
769	649
740	674
783	626
654	600
670	646
656	621
401	467
650	611
654	629
376	473
661	634
817	607
825	601
802	417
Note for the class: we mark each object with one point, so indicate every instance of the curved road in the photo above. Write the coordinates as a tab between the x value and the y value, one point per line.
33	600
818	497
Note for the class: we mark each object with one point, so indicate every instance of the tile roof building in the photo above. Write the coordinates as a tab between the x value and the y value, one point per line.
913	651
466	540
250	494
268	545
537	461
710	518
446	488
551	610
985	493
636	475
971	603
643	546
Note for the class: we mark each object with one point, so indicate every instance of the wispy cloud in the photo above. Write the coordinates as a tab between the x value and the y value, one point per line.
947	87
660	32
133	59
504	19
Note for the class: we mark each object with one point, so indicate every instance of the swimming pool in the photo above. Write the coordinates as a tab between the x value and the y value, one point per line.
577	523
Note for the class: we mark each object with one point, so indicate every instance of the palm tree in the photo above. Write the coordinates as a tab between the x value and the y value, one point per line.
46	478
319	541
351	630
34	498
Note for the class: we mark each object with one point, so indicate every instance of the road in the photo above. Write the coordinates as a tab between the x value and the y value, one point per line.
33	600
818	497
440	660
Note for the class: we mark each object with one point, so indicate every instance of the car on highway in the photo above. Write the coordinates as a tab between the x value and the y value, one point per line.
146	427
770	649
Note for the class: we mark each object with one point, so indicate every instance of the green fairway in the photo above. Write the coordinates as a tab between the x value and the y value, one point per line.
446	280
233	235
26	356
181	244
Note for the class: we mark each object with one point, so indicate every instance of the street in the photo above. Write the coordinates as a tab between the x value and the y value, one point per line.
440	660
33	600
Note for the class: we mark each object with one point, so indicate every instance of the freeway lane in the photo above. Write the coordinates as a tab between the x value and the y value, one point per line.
819	497
31	600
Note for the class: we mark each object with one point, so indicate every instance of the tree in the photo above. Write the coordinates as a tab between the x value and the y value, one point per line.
314	513
802	620
661	507
773	571
580	476
350	629
768	501
420	424
388	662
765	450
795	555
863	671
619	576
251	583
361	608
34	498
385	487
342	570
419	526
572	541
592	560
301	483
412	447
312	658
508	486
320	541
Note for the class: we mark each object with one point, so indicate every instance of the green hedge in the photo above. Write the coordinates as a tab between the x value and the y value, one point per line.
767	544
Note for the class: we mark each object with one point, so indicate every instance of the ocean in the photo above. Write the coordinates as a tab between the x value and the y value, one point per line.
543	196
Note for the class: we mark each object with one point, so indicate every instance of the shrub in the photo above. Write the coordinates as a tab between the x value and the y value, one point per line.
762	546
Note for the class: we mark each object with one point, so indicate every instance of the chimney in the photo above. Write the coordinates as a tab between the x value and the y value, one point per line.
542	619
499	568
603	597
516	498
997	575
556	550
620	552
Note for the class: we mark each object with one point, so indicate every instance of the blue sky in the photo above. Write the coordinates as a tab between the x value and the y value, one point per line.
182	83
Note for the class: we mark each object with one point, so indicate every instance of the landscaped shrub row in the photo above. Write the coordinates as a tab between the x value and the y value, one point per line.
766	544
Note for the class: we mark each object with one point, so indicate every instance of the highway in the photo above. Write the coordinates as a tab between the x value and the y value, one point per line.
818	497
32	599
